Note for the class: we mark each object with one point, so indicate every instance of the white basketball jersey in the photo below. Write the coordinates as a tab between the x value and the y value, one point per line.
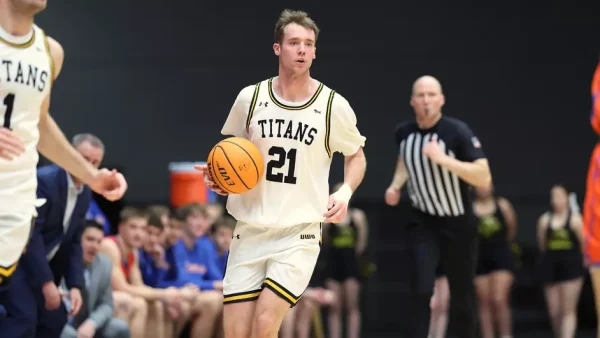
26	73
297	141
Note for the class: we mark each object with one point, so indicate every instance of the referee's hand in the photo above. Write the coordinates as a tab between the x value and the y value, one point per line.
392	196
336	210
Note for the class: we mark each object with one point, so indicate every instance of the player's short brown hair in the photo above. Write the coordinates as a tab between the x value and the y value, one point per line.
129	213
225	222
185	211
159	210
289	16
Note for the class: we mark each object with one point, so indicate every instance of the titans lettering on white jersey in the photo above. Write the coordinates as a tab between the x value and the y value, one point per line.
434	189
297	142
26	74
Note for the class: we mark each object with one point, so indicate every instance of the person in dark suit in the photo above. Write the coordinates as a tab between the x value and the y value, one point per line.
54	251
95	318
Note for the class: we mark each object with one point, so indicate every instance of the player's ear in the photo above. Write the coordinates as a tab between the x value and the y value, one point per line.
277	48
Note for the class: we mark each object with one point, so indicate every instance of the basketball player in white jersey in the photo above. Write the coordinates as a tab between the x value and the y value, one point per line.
297	123
29	63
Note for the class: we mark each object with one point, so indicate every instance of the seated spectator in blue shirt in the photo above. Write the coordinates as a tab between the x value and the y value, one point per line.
153	265
94	212
223	233
195	261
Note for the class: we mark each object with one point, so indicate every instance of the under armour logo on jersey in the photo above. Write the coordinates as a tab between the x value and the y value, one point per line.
235	236
317	111
265	104
307	236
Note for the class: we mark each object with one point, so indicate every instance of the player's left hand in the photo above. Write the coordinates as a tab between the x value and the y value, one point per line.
336	210
109	183
434	151
76	301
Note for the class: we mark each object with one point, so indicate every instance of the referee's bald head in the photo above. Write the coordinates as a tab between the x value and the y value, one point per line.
427	80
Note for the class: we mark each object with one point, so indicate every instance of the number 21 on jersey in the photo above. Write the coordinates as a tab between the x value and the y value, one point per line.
8	102
279	157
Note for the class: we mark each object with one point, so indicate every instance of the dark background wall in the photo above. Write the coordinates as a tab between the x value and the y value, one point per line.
155	80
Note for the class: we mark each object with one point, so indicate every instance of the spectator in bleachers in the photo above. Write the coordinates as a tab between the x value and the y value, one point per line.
195	263
346	241
214	211
223	233
559	235
127	278
96	315
164	214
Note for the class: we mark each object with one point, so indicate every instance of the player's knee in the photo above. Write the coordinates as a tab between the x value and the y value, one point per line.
266	324
123	303
139	306
210	302
157	308
499	302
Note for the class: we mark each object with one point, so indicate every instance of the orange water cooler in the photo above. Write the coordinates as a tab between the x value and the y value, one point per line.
187	185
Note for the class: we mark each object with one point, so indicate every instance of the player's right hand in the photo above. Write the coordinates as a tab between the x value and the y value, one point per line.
209	181
51	296
10	145
392	196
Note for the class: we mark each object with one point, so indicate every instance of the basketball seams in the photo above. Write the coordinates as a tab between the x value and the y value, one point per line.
258	175
232	167
213	165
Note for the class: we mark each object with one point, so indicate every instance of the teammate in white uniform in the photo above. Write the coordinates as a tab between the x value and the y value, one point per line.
297	123
29	63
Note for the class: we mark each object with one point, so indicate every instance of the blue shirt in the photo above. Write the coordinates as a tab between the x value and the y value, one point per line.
222	262
196	265
94	212
151	274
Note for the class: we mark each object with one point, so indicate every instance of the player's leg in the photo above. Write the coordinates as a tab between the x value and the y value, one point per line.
595	277
122	306
439	308
483	288
289	323
569	298
352	296
244	276
458	242
334	313
501	285
208	308
156	318
552	295
289	271
139	315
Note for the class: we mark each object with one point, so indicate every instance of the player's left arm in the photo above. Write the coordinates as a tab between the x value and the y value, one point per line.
53	144
472	167
577	226
510	217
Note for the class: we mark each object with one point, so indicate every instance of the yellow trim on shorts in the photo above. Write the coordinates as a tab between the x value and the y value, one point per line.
328	122
6	272
252	106
247	296
284	106
20	45
281	291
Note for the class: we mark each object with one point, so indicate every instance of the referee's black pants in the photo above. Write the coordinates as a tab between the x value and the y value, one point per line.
453	241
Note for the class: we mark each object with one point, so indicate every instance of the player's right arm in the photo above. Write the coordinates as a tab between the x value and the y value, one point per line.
235	125
541	231
119	282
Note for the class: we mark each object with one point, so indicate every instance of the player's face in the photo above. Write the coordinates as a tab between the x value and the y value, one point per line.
92	154
297	50
152	237
427	99
91	239
223	238
559	198
197	224
133	232
174	232
30	7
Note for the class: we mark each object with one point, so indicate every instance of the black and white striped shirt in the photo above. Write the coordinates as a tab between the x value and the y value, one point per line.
433	189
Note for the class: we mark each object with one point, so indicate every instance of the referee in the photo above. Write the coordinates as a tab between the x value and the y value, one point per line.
439	157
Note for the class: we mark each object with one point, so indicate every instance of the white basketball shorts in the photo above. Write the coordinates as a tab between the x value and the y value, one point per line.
280	259
15	231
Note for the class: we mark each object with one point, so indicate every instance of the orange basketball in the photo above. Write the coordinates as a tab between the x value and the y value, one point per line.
235	164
